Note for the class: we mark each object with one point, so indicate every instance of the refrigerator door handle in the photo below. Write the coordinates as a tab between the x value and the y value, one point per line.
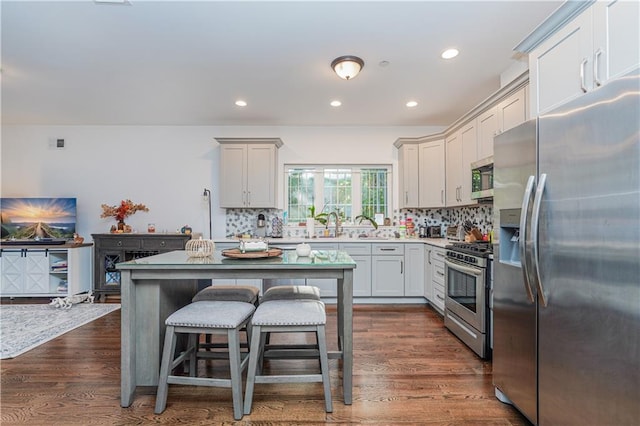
535	221
522	236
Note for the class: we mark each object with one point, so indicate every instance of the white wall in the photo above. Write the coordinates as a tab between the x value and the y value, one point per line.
166	167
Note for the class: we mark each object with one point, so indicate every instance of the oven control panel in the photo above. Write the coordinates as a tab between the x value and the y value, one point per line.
462	257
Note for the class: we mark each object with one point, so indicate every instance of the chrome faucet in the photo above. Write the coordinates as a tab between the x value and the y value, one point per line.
337	231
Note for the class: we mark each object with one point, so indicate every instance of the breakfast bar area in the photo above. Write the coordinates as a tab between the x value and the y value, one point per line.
156	286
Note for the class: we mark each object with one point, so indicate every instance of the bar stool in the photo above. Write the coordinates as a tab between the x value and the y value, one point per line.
288	316
230	293
290	292
209	317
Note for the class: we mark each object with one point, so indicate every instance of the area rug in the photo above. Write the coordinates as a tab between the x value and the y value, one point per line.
23	327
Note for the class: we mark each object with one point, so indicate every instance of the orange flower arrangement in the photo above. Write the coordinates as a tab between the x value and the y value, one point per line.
125	209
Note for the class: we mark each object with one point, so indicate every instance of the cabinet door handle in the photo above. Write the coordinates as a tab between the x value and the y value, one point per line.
244	198
583	84
406	197
248	198
440	297
387	249
596	66
442	196
401	267
429	257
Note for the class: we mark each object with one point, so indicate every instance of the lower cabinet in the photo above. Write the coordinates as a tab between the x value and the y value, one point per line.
437	278
361	254
45	271
387	269
414	270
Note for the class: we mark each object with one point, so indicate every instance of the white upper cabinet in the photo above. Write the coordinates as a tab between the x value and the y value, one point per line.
509	112
453	160
462	150
432	173
409	170
512	111
248	172
600	43
616	38
488	128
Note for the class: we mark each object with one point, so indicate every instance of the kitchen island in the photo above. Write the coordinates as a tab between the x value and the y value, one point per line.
156	286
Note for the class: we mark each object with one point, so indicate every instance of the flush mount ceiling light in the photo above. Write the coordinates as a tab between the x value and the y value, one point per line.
347	67
449	53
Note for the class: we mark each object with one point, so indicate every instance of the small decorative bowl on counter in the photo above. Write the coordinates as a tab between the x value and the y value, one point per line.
199	248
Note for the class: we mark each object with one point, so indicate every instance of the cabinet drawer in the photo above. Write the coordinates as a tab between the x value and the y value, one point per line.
438	275
387	249
438	297
163	243
118	243
356	249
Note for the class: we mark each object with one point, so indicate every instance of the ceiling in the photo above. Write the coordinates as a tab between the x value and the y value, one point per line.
186	63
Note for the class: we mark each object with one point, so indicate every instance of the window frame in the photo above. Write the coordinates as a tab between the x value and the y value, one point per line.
356	185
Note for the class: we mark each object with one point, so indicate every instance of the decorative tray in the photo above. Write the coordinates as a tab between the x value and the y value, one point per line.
236	253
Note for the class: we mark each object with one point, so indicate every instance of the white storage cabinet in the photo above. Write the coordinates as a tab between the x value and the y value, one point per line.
45	272
248	172
599	44
387	269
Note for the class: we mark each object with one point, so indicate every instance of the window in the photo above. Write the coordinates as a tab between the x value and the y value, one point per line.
349	190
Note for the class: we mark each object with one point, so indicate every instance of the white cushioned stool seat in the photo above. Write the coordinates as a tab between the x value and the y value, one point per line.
211	314
290	312
205	317
287	316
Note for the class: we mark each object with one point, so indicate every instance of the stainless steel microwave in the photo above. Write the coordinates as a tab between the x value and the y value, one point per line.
482	179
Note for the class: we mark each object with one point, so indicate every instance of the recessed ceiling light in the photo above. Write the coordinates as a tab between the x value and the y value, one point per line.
241	103
449	53
336	103
411	104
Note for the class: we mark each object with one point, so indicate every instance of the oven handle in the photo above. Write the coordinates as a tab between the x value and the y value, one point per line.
463	268
523	236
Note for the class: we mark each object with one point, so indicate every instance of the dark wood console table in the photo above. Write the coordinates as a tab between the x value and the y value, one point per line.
110	249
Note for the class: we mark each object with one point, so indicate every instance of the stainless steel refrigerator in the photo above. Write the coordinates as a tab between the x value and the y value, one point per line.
566	297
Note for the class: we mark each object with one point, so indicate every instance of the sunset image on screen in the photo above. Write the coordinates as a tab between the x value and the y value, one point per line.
28	218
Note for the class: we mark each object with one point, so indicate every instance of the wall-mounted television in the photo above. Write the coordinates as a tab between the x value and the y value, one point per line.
31	218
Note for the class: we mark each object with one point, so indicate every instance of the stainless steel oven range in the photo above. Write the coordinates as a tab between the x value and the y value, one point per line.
468	293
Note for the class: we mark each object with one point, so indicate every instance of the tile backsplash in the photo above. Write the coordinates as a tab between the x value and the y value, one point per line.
244	221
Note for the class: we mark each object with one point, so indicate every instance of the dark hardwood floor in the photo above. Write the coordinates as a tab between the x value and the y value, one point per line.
408	369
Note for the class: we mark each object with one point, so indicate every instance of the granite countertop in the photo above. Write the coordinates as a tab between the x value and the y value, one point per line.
438	242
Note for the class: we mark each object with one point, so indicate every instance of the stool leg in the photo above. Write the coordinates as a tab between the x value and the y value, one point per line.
233	336
324	366
165	369
254	354
193	359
